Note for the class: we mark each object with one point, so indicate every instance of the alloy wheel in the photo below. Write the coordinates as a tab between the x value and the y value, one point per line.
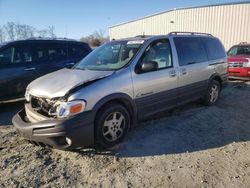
214	93
114	126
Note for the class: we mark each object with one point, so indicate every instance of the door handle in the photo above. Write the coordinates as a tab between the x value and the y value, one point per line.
30	69
172	73
183	71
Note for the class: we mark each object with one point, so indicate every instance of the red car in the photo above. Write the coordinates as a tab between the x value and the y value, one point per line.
239	61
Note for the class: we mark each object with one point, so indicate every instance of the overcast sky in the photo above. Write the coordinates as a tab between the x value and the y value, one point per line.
77	18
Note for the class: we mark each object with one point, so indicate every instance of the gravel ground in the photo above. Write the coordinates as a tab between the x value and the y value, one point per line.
192	146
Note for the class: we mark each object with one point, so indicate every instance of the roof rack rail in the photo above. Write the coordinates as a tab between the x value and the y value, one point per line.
49	38
190	33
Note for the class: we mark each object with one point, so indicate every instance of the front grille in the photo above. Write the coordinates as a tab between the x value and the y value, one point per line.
43	106
235	65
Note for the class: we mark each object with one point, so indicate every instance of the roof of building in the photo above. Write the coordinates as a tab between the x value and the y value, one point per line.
182	8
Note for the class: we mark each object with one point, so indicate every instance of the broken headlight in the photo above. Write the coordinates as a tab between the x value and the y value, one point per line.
66	109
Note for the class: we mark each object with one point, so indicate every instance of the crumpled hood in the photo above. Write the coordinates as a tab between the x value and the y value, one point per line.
57	84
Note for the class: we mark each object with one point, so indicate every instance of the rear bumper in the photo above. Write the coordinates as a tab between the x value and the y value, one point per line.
79	131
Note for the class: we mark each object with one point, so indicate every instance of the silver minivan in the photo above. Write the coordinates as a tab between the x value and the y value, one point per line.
103	96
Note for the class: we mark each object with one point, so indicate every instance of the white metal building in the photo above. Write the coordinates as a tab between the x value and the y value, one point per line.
230	22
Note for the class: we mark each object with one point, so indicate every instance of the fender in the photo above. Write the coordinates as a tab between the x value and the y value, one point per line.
122	97
214	76
222	78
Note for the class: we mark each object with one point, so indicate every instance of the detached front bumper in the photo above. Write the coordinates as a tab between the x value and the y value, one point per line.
77	131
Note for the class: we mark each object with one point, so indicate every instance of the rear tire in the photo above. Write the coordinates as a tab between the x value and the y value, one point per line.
213	93
111	125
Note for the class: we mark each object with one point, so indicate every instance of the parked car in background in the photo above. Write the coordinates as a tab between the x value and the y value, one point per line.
25	60
239	61
124	81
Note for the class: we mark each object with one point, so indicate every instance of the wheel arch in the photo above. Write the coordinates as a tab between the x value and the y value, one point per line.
216	77
120	98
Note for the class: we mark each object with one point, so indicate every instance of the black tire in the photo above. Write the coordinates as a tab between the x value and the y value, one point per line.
211	98
107	123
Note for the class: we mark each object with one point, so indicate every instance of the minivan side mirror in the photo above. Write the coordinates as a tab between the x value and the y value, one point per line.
147	66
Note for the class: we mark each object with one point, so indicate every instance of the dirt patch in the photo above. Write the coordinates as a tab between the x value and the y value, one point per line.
193	146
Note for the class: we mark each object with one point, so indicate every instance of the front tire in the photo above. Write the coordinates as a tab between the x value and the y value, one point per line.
111	125
213	93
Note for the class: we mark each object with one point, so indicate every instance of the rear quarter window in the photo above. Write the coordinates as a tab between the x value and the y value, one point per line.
190	50
214	48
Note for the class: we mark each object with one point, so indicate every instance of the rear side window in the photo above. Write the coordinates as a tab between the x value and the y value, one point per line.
77	51
24	53
214	48
41	52
50	52
190	50
57	52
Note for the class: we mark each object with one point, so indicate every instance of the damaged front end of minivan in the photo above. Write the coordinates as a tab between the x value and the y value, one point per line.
60	107
57	122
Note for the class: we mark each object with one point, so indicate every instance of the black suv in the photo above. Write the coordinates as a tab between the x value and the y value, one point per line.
25	60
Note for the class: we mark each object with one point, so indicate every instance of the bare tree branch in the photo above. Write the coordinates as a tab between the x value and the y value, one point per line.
51	31
16	31
10	30
2	35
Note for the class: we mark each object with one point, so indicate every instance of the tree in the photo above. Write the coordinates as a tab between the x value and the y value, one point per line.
24	31
51	31
2	35
10	30
16	31
95	39
42	32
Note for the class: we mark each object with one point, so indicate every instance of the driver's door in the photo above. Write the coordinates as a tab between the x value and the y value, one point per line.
156	91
